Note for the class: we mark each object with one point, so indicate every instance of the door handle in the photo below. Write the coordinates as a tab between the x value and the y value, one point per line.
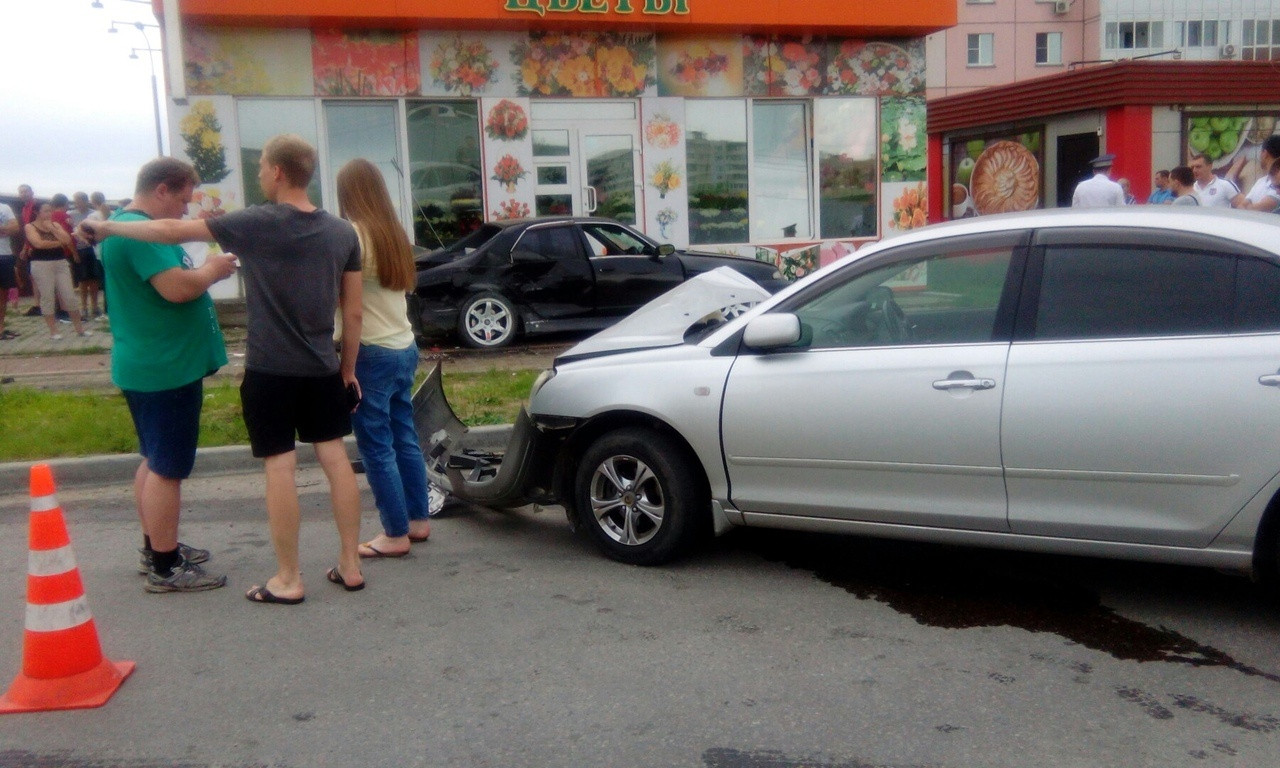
1270	380
963	380
592	201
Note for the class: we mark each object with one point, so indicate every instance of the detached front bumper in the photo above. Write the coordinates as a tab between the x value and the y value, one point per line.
521	474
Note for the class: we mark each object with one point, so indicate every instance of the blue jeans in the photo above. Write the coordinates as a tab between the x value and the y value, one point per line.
385	435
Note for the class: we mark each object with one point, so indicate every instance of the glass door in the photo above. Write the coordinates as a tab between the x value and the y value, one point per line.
586	157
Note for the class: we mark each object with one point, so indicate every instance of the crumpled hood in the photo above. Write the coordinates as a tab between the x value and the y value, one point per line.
664	321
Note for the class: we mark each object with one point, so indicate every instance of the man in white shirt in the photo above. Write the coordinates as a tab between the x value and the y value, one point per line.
1211	190
1263	196
8	228
1098	191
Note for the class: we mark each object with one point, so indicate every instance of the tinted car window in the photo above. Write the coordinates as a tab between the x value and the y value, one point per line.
1100	292
551	242
947	298
1257	296
613	241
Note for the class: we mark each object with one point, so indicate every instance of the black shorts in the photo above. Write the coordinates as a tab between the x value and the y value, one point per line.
7	280
279	408
168	426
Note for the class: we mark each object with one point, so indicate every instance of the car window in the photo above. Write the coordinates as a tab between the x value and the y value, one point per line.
1090	292
552	243
606	240
1257	296
947	298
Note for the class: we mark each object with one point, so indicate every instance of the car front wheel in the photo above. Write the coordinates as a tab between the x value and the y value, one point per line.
487	321
638	497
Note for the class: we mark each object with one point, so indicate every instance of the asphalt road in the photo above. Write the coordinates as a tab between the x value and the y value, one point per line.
505	641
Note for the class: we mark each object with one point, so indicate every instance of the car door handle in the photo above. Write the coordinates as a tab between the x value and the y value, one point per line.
963	380
1270	380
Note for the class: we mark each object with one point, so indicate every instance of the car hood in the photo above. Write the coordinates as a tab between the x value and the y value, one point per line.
664	321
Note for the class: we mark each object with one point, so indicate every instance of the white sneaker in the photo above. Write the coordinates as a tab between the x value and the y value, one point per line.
86	332
56	337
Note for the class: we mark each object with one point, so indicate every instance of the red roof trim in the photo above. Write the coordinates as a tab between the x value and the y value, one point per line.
1111	85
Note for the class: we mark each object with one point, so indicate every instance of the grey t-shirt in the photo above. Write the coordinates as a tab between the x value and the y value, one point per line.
292	264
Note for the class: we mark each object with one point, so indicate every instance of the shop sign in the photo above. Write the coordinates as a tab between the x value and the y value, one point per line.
651	7
996	174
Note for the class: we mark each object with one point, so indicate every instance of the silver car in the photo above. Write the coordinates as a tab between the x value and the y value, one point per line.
1101	382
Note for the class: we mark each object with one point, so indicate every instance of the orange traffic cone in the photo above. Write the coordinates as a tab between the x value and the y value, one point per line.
62	662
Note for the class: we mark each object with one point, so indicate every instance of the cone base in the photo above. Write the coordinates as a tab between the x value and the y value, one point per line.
83	691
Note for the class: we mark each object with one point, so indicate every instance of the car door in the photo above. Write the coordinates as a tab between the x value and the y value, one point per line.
628	270
550	272
1138	406
888	409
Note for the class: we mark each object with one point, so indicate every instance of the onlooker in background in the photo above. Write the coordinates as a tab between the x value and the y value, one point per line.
166	339
1211	190
1275	178
383	422
88	271
50	272
1098	191
8	228
62	218
1129	199
300	264
27	214
1262	196
1182	184
1162	193
101	212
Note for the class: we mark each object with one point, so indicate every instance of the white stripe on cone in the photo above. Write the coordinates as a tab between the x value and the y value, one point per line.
51	562
59	616
44	503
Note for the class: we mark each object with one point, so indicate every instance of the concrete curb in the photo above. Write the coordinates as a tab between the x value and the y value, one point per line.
114	468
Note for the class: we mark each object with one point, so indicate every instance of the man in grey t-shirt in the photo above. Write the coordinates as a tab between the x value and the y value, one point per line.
300	265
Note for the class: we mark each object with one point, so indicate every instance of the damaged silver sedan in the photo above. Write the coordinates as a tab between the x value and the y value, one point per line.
1101	383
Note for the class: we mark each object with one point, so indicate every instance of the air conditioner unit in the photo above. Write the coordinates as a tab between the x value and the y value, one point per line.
1227	52
1062	6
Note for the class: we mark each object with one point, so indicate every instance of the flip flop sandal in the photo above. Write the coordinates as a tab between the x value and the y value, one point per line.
333	575
263	595
375	552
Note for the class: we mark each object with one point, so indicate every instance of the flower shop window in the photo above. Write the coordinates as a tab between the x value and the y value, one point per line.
445	180
846	135
716	153
259	120
781	185
368	129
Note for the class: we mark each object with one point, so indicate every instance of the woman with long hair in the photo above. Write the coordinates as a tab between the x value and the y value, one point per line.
383	422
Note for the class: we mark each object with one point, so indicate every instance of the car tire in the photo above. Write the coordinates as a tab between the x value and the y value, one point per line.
487	321
645	524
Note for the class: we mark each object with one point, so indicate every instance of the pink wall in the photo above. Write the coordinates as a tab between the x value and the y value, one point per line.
1015	24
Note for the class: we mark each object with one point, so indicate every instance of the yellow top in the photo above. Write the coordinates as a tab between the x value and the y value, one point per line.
386	317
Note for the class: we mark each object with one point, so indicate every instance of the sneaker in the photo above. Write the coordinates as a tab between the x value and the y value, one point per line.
56	337
189	554
86	332
32	312
185	577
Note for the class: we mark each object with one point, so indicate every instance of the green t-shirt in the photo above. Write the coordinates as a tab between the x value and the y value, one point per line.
157	344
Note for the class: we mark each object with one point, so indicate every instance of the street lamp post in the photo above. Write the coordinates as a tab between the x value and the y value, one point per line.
155	89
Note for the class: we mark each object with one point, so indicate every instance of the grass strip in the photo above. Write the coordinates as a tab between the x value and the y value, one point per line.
40	424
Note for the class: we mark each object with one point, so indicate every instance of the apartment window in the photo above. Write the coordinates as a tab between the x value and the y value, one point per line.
1260	40
1204	34
981	49
1048	47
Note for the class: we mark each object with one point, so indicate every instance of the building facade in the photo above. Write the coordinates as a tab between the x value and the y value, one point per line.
760	127
996	42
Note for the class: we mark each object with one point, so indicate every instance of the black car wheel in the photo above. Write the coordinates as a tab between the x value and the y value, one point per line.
487	321
638	498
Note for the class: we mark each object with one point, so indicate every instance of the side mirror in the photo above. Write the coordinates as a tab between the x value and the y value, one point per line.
666	249
771	331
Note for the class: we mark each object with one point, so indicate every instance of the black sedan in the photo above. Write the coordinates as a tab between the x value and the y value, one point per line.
553	274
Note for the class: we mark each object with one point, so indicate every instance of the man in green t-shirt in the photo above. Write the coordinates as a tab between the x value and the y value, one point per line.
166	339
